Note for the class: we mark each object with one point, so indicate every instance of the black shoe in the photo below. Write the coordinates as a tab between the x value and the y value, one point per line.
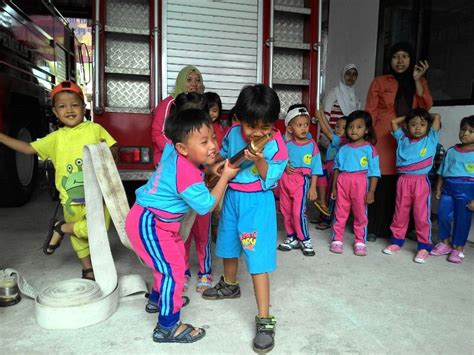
221	290
264	340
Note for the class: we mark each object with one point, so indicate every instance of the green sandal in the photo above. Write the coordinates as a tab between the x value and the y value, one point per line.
264	340
168	335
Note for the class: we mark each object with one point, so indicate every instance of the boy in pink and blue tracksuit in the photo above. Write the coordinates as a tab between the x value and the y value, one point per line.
153	223
455	191
416	150
299	180
356	171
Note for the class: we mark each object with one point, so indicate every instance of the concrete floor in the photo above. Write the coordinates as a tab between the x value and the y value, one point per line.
325	304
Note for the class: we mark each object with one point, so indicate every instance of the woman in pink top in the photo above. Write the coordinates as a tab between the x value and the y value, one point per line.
189	79
393	95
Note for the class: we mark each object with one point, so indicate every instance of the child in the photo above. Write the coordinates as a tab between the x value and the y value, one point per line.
215	111
415	155
455	190
64	148
303	168
356	170
248	221
153	223
336	139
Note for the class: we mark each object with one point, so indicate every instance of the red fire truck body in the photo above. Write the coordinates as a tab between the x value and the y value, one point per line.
140	46
37	50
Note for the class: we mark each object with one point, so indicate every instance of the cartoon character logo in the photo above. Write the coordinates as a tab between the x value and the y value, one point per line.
74	185
248	240
307	159
363	162
423	152
469	167
254	170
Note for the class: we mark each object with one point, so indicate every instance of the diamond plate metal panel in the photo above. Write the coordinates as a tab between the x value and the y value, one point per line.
127	51
295	3
128	13
124	91
287	64
288	27
289	96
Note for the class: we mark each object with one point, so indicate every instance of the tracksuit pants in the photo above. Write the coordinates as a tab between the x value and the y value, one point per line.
413	191
201	234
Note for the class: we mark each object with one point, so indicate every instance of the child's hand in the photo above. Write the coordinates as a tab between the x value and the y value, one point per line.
333	194
420	69
253	157
369	198
215	169
470	206
289	169
228	172
312	194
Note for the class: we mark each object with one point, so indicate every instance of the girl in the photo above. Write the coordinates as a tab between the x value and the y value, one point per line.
455	190
415	155
336	139
303	168
356	170
215	111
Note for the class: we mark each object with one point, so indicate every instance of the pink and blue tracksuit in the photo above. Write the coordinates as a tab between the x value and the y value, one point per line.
153	228
248	219
415	159
306	160
457	170
356	163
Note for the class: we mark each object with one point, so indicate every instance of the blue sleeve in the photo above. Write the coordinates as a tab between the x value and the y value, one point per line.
433	136
316	165
274	173
398	134
224	151
336	140
374	164
198	197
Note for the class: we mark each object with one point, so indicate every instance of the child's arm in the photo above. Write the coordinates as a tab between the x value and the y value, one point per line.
334	184
439	185
470	206
16	144
228	173
369	198
396	122
312	192
436	125
260	163
324	124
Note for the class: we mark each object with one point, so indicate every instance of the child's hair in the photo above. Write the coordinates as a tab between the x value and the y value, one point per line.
189	100
295	111
419	112
370	135
257	103
469	120
184	123
296	106
67	86
213	99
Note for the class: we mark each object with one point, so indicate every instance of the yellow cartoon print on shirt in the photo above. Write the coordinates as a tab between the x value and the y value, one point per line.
73	184
469	167
423	152
307	159
363	162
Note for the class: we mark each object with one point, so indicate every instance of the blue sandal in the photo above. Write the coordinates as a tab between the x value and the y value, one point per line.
168	335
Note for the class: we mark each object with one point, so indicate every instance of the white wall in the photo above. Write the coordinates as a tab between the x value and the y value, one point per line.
451	117
352	38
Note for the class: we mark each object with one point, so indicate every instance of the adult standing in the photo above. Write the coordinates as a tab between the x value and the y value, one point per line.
393	95
189	79
341	100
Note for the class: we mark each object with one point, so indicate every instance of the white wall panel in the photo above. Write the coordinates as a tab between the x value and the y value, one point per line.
222	39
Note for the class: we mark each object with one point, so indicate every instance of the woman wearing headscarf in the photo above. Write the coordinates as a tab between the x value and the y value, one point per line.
341	100
390	96
189	79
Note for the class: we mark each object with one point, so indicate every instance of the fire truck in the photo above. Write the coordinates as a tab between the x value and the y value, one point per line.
141	45
37	50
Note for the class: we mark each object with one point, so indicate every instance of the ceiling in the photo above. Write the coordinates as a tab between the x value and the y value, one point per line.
74	8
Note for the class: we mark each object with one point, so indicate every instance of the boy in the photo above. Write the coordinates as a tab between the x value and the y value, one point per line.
153	223
64	148
248	221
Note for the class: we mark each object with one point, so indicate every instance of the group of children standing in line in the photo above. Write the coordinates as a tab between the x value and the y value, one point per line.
198	145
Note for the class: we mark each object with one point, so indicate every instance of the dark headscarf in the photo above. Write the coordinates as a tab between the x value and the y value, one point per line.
406	84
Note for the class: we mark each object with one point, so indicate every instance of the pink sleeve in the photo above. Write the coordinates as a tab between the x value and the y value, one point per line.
425	101
372	102
158	137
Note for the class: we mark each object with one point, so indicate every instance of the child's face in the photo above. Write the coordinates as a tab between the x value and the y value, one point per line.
466	134
193	83
417	127
255	131
299	127
357	130
200	147
400	61
214	112
350	77
340	127
69	108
